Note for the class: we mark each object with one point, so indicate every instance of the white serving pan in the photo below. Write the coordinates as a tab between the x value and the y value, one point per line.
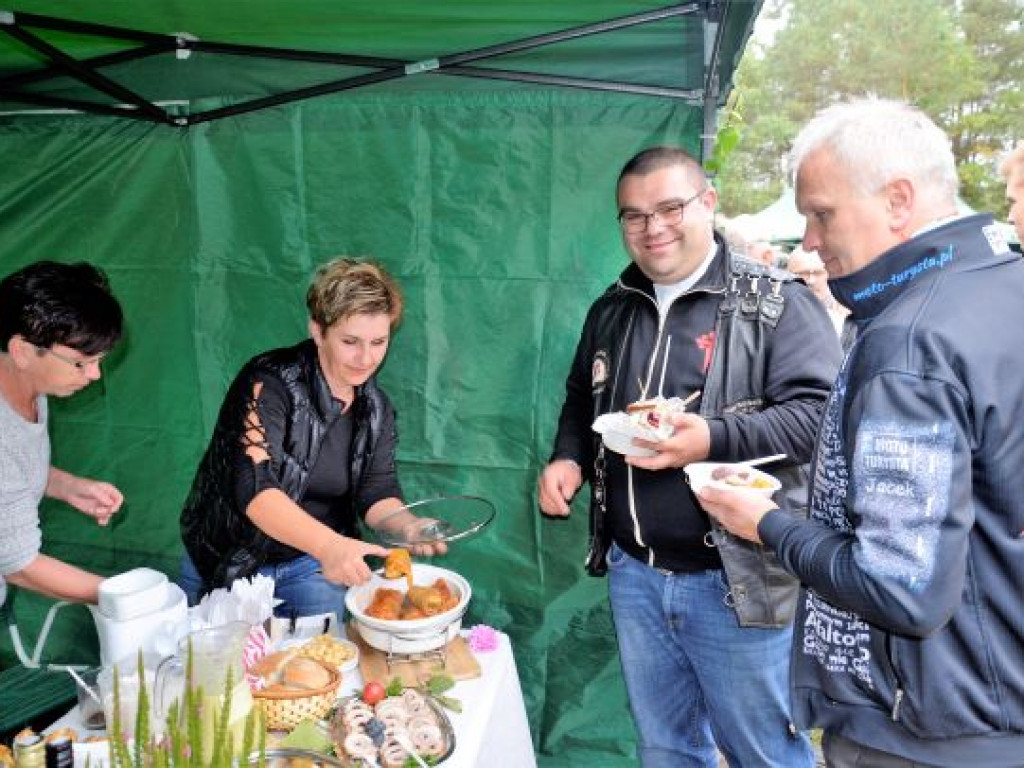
414	635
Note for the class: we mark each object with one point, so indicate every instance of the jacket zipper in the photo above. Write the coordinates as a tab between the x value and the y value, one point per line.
662	318
897	699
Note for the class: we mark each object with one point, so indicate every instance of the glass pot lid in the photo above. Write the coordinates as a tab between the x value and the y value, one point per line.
441	519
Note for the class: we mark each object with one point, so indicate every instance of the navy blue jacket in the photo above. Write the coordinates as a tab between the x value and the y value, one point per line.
910	629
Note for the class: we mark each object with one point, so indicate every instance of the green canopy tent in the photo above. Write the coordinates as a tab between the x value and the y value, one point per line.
209	155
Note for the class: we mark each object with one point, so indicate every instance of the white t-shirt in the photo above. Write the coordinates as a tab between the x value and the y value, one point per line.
669	292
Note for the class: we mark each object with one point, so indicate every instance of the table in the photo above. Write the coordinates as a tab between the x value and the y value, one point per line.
491	730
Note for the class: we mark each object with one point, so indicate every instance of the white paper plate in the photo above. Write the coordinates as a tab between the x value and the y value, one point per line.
698	475
617	431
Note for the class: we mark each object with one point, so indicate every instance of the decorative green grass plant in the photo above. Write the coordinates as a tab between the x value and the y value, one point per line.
181	744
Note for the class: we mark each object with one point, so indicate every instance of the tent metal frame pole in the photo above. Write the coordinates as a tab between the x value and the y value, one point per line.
622	22
717	14
287	97
292	54
91	107
80	71
690	95
440	65
48	73
86	71
57	24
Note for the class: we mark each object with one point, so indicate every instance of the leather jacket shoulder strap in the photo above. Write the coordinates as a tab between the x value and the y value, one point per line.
749	310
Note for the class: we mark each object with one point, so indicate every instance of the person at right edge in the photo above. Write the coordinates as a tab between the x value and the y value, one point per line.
703	619
911	624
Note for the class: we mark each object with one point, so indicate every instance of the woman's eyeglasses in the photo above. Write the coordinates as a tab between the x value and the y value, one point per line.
78	365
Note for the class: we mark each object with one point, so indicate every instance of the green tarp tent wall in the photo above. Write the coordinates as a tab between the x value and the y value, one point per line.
490	199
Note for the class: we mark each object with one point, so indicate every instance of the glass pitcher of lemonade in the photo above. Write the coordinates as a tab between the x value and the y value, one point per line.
216	668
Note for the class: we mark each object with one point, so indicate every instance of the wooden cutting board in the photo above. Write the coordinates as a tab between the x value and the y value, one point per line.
460	663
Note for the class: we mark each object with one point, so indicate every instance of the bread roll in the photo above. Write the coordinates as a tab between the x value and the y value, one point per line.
271	665
306	674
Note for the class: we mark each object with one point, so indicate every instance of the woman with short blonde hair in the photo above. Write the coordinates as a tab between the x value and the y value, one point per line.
304	448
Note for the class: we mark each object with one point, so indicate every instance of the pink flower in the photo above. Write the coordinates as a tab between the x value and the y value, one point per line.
483	639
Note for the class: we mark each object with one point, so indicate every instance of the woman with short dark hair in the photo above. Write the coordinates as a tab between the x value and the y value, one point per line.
57	323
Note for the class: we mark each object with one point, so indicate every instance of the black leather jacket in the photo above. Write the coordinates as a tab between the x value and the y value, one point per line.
221	540
763	392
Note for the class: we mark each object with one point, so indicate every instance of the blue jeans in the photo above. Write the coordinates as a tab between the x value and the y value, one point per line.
298	583
697	680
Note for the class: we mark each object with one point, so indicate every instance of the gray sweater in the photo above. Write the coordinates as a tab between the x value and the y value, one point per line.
24	468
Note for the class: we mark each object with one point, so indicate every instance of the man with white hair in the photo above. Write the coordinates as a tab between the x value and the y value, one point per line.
909	637
1012	169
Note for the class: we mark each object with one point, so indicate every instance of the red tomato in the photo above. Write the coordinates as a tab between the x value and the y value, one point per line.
374	692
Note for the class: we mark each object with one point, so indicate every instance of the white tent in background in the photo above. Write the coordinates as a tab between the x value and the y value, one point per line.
780	222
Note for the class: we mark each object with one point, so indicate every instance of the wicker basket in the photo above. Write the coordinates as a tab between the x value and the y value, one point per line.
286	709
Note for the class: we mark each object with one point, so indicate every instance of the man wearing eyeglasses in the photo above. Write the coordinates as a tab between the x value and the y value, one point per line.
57	322
703	620
807	265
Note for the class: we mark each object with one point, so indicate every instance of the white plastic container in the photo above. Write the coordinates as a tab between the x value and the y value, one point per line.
155	632
132	593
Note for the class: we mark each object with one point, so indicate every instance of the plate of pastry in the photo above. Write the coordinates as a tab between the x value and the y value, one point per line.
647	419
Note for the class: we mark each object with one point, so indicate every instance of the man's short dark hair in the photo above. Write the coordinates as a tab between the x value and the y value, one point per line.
656	158
49	303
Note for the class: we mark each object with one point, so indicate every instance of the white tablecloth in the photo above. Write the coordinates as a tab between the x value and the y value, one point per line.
490	731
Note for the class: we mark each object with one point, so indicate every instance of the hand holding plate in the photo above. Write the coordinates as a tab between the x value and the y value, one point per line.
690	442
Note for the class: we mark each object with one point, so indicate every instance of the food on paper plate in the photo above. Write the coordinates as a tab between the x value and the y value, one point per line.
646	419
730	477
740	476
652	414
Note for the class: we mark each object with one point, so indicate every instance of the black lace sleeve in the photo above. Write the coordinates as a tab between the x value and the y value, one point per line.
262	435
